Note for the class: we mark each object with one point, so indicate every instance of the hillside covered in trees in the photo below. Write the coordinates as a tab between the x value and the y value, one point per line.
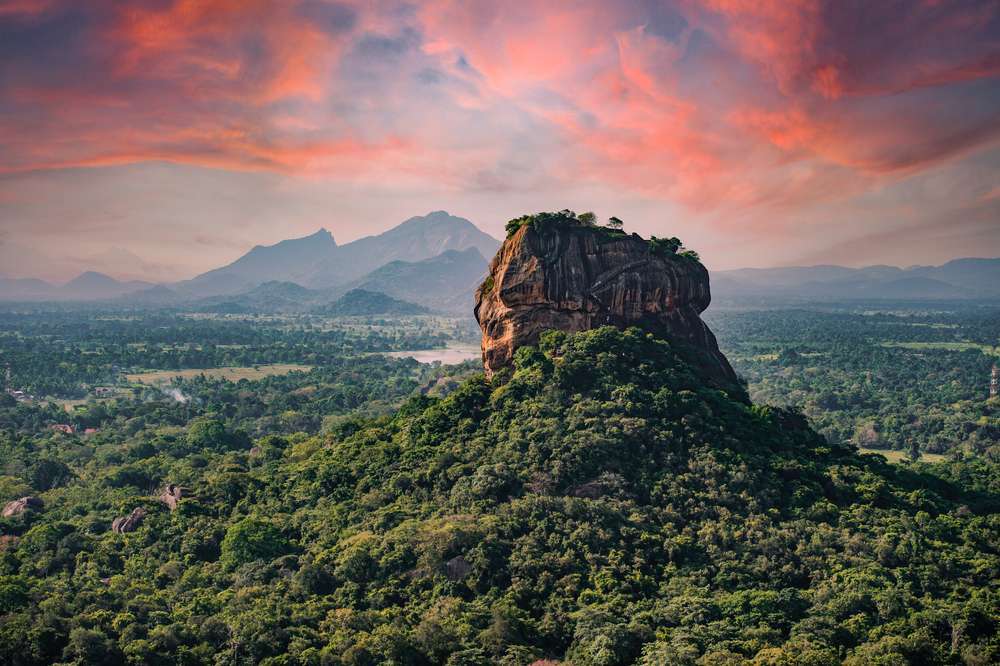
596	504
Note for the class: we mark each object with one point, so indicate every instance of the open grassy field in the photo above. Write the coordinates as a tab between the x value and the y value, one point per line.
153	377
69	404
900	456
947	346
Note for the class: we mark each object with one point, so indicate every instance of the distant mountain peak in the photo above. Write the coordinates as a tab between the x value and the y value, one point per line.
435	218
316	261
322	232
321	236
963	278
88	278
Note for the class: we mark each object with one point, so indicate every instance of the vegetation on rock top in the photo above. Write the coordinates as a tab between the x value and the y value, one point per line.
567	219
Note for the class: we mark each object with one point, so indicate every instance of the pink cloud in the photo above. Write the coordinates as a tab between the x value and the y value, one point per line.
714	104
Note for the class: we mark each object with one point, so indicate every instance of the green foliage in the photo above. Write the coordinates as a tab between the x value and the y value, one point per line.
250	540
46	474
488	284
67	354
567	219
664	246
598	504
874	379
210	433
543	221
13	593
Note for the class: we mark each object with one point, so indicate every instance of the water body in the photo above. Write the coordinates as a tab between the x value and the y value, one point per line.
447	356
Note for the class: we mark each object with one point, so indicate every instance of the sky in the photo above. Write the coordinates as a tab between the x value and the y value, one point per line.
160	138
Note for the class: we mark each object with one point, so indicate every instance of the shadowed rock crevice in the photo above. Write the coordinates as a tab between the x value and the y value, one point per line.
574	278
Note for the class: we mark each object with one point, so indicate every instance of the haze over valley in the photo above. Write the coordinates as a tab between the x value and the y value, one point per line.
432	260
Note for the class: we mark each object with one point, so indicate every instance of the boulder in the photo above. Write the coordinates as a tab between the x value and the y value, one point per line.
457	568
589	490
21	505
171	496
573	277
129	523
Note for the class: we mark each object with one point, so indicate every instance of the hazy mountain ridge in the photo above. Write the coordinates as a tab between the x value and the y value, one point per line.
316	261
90	285
391	263
292	260
273	296
311	262
361	302
444	282
440	283
958	279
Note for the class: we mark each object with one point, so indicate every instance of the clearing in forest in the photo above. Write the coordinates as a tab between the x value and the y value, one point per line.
233	374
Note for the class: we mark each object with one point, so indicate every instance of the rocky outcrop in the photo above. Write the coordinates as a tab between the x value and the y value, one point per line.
21	505
129	523
574	278
457	568
171	496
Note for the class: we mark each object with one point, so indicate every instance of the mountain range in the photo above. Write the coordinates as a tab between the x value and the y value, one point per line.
446	282
86	286
957	279
432	260
317	261
360	302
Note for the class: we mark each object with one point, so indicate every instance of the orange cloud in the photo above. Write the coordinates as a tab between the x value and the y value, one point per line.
711	103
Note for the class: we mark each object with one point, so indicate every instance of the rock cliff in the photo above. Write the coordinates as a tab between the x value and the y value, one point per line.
129	523
19	506
572	277
172	495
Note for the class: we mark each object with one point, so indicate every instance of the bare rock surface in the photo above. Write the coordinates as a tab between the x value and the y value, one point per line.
129	523
579	278
21	505
171	496
457	568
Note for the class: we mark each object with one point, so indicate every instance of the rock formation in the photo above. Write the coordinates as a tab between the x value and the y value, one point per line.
129	523
21	505
457	568
573	277
171	496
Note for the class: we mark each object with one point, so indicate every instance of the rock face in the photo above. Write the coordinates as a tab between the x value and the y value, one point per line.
21	505
129	523
575	278
172	495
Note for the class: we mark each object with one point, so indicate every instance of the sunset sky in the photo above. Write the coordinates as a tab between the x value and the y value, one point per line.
161	138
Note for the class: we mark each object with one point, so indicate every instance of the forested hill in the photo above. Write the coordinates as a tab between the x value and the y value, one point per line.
596	504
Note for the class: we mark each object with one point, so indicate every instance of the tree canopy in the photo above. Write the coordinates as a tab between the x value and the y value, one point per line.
598	504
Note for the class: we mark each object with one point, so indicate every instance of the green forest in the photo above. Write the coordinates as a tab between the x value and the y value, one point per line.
597	504
894	379
336	333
